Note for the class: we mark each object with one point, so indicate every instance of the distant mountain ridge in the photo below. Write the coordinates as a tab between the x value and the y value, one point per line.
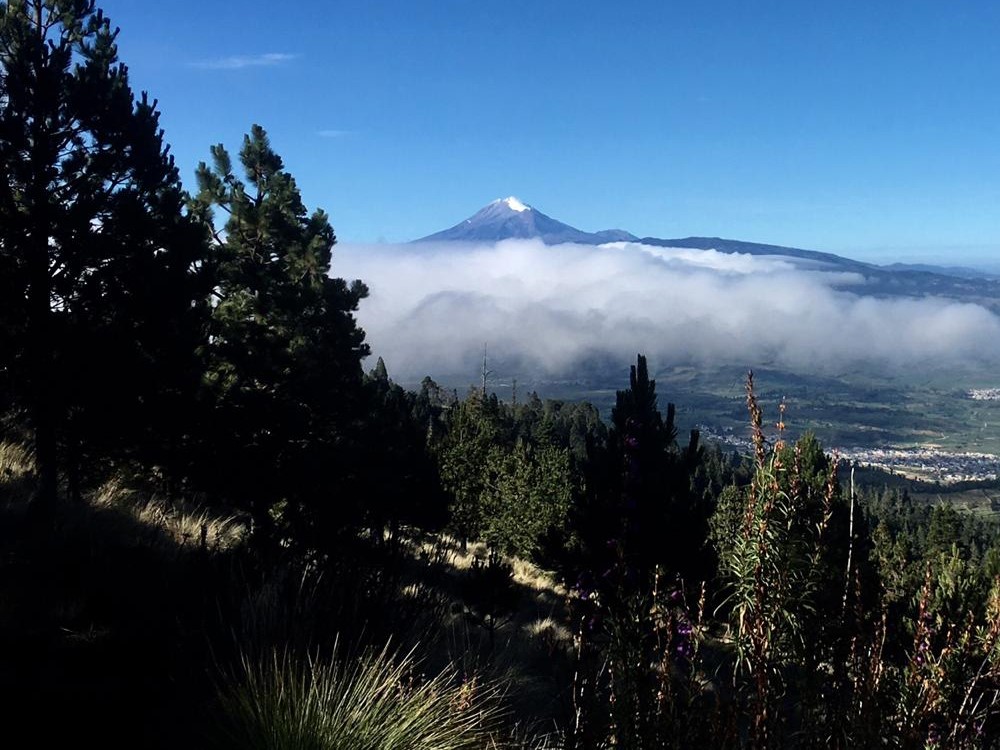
509	218
960	271
756	248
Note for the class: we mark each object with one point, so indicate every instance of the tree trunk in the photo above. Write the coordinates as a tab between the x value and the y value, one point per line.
40	332
39	370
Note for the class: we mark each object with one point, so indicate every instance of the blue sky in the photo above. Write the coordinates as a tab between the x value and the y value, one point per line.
870	129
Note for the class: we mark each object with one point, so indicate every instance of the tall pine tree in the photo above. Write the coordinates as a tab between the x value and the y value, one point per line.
99	316
286	351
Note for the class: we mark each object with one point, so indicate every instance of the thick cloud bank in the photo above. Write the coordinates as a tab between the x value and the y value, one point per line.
551	310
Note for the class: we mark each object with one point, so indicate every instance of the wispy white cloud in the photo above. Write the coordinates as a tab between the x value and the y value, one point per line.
333	133
238	62
554	309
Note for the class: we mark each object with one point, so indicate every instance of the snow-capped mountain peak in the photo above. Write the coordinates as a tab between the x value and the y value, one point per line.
511	218
513	204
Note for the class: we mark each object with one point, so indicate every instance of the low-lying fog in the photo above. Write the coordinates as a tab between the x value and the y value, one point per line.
549	310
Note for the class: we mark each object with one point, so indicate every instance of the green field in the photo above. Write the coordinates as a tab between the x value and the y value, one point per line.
845	411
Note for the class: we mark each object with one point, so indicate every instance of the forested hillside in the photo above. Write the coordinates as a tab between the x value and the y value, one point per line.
222	526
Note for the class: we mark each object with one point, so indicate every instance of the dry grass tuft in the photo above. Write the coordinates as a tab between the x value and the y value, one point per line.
16	468
183	525
15	460
530	575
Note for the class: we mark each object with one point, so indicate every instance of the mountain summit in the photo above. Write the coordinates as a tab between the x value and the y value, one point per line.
510	218
513	204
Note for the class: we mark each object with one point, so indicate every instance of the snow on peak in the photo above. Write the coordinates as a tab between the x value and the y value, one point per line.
514	204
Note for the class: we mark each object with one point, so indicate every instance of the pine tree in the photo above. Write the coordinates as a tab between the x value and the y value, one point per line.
400	478
285	357
658	520
526	494
474	428
99	314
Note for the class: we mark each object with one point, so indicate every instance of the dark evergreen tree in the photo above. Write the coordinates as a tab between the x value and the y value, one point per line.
640	502
529	489
642	536
402	485
509	474
285	356
473	428
430	405
99	319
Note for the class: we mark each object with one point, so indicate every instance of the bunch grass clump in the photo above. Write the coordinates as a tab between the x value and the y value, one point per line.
16	473
374	699
15	459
